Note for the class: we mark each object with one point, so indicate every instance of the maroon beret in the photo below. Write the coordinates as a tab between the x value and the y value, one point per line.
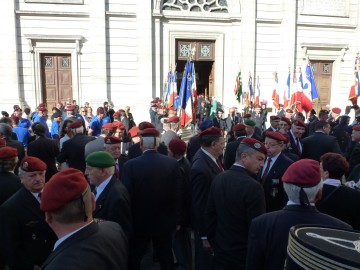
212	131
285	119
275	135
108	126
100	110
117	113
63	187
289	110
42	109
274	118
42	105
299	122
145	124
112	140
172	109
2	142
238	127
70	108
177	146
255	144
8	152
32	164
75	124
133	132
287	137
303	173
336	110
150	132
118	125
153	105
356	127
248	115
173	119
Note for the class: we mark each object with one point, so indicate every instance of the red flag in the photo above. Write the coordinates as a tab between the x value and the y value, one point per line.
275	94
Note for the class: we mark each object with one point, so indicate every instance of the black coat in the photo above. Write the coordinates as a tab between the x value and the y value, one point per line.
154	184
47	150
192	147
275	195
113	204
9	184
269	233
235	198
135	150
26	239
293	146
354	158
319	144
230	152
73	151
20	148
96	246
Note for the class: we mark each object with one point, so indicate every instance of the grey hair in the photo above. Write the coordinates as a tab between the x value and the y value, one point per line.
293	192
5	130
150	142
242	149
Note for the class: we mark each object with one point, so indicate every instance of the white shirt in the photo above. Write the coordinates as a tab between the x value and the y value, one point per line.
273	160
66	236
100	188
332	182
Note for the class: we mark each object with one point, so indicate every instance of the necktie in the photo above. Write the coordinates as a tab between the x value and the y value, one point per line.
267	168
298	146
117	170
219	164
39	197
95	191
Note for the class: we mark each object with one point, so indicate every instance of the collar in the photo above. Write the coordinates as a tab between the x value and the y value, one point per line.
209	155
290	202
100	188
332	182
66	236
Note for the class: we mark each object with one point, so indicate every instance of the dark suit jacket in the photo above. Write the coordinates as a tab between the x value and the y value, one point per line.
154	184
275	195
340	202
268	235
235	198
113	204
96	246
47	150
230	152
354	175
20	148
135	150
9	184
73	151
354	158
192	147
202	173
318	144
293	146
25	238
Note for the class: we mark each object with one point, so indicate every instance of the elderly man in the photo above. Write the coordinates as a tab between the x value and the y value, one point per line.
274	125
268	235
26	239
82	244
98	144
235	198
112	198
154	183
250	128
173	124
297	130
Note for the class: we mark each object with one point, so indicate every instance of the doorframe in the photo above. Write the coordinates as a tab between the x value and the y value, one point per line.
55	45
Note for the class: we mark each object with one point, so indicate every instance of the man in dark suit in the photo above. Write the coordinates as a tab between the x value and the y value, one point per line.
314	146
112	198
45	149
354	157
26	239
219	121
231	121
73	150
323	116
296	132
274	125
83	244
250	127
230	150
194	142
154	184
170	133
235	198
275	166
268	235
9	182
205	166
98	144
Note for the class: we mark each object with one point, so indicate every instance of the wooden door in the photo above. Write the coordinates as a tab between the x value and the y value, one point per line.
56	78
323	75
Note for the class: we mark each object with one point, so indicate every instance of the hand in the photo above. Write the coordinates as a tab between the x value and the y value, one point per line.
206	245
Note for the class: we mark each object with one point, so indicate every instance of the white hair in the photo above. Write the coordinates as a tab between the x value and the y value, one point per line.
293	192
150	142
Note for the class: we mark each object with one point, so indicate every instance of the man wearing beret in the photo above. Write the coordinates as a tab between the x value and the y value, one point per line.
274	125
323	115
205	166
98	144
171	127
73	150
82	243
235	198
250	128
154	184
113	145
42	117
230	150
296	132
111	196
96	122
26	239
268	235
276	164
194	141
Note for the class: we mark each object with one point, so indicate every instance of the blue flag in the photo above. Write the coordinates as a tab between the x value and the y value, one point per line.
311	79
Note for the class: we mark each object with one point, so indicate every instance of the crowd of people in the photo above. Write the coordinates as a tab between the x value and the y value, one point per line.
93	190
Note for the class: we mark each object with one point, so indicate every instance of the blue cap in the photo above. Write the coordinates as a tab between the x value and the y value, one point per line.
205	124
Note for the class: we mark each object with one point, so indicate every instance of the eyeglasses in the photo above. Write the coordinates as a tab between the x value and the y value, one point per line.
283	125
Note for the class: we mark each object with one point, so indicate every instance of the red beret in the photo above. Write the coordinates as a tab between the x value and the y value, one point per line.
145	124
299	122
75	124
42	109
100	110
248	115
275	135
255	144
42	105
238	127
287	137
285	119
108	126
173	119
133	132
2	142
121	111
63	187
70	108
154	105
32	164
117	113
289	111
172	109
274	117
336	110
303	173
212	131
118	125
177	146
150	132
8	152
257	107
356	127
112	140
160	107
